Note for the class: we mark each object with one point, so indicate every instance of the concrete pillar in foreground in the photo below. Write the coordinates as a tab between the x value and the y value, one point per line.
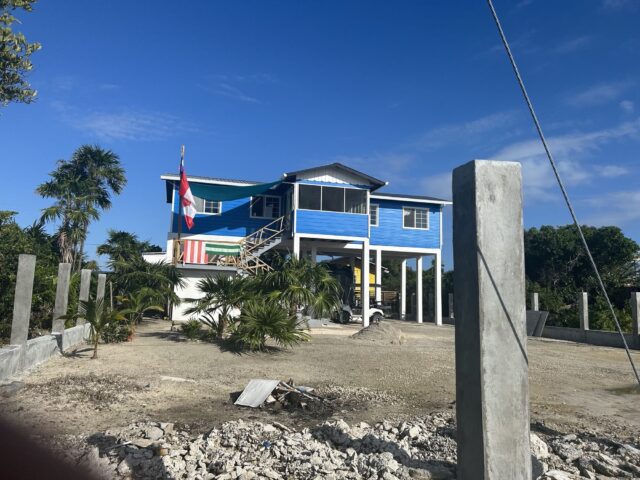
314	255
419	307
635	316
437	265
451	314
535	305
62	297
22	299
403	289
364	283
378	288
85	285
102	283
583	310
492	388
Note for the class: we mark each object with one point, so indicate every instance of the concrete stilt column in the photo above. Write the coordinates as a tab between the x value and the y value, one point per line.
296	246
419	292
364	283
102	283
85	285
492	388
583	310
437	265
62	297
403	290
451	314
22	299
535	306
635	316
378	276
314	255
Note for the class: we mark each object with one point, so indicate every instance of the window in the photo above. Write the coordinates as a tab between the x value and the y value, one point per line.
373	215
332	199
309	197
265	206
416	218
211	207
355	201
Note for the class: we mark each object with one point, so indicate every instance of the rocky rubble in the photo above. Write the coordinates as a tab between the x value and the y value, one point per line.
423	448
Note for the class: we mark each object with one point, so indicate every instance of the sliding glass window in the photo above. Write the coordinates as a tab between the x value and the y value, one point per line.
310	197
332	199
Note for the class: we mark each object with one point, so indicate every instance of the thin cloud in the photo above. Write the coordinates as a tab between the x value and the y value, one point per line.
612	171
227	90
599	94
628	106
572	45
236	86
613	208
619	5
124	124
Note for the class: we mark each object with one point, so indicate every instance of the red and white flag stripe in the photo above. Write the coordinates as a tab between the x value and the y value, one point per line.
187	200
194	252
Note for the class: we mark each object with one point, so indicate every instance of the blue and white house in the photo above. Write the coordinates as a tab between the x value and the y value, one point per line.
325	210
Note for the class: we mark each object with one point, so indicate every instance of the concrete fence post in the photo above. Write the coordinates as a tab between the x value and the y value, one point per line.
535	305
635	317
102	283
583	310
85	285
22	299
62	297
451	314
492	388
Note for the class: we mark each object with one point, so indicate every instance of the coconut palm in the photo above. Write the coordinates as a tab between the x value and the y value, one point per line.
123	246
222	294
99	316
140	302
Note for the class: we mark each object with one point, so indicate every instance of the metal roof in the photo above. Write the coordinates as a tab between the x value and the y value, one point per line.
173	176
422	198
375	181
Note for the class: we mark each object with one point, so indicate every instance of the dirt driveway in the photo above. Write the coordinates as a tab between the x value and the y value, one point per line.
161	377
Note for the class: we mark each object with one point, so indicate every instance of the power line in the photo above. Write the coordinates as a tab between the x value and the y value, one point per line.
562	188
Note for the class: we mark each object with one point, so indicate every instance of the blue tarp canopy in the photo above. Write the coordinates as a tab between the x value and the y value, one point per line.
222	193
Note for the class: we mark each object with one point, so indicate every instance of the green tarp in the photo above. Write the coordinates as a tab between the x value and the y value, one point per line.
222	193
222	249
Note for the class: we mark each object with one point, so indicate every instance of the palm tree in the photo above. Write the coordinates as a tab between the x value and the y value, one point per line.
123	246
137	304
82	188
99	317
222	294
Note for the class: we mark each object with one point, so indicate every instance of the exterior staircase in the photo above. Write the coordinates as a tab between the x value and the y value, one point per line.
250	249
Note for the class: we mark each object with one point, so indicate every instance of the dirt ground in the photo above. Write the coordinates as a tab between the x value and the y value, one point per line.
160	376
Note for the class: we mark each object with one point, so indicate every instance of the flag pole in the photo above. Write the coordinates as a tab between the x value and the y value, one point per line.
177	249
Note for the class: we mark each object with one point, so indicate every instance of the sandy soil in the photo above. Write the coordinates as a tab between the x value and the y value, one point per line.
162	377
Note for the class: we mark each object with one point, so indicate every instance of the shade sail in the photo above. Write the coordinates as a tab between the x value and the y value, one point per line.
229	192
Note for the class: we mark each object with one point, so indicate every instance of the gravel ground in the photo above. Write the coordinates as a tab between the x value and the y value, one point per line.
161	377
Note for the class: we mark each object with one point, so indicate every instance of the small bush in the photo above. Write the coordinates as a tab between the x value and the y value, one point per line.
262	320
116	332
191	329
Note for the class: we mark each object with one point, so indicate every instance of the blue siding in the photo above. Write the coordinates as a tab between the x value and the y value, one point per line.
332	223
234	221
391	232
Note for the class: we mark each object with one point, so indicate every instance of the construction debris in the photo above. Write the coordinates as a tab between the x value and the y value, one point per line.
260	392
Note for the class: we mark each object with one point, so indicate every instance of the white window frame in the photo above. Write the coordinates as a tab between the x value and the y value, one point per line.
377	208
426	210
264	197
344	193
204	200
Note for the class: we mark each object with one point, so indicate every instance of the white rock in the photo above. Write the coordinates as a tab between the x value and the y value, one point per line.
538	447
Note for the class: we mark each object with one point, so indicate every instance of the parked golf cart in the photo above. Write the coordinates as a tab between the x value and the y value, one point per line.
354	314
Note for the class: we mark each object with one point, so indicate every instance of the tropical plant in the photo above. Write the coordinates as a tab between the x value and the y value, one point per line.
81	187
123	246
191	329
99	316
15	55
261	320
222	294
140	302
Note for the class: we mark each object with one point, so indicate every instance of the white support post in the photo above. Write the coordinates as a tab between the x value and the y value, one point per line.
419	289
583	310
364	283
437	265
296	246
635	317
378	276
535	306
314	254
403	289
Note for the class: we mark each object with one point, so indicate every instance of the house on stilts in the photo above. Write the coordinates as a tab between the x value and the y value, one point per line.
326	210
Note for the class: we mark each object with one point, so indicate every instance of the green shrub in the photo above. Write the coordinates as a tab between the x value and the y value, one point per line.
116	332
191	329
261	320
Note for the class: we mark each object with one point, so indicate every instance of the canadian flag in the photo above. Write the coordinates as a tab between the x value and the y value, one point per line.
186	199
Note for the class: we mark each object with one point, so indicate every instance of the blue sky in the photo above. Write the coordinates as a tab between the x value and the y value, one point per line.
405	91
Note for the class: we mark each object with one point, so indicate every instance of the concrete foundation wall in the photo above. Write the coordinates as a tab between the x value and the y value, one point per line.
592	337
16	359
